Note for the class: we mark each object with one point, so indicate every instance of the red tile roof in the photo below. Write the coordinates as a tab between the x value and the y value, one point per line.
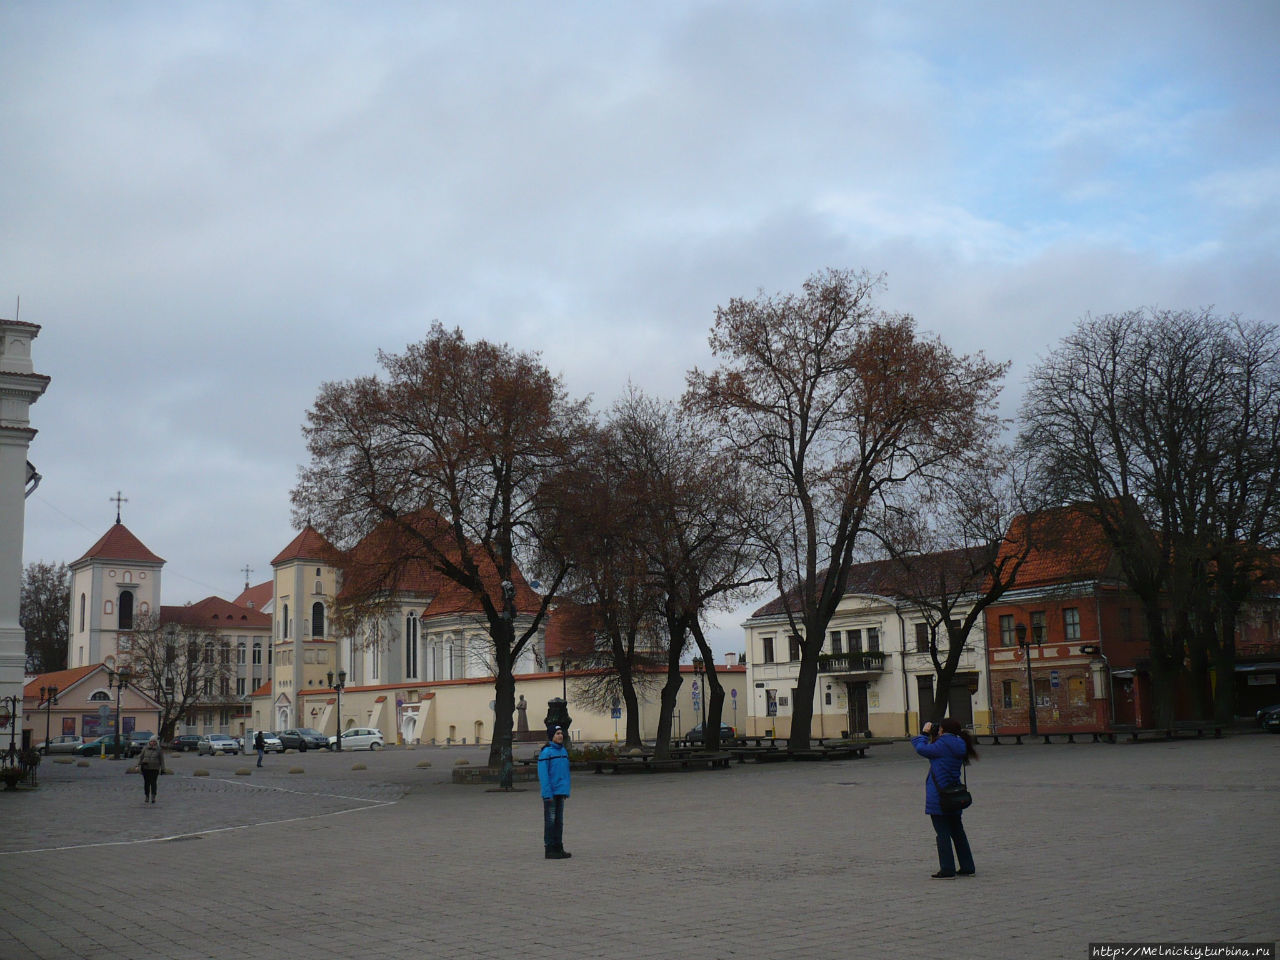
214	612
387	560
1067	543
571	628
256	597
889	578
309	544
62	679
119	543
262	691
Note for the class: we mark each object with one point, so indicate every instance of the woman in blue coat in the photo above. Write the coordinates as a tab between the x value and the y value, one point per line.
948	750
553	775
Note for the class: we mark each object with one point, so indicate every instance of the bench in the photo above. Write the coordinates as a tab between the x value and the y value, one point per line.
1180	728
683	760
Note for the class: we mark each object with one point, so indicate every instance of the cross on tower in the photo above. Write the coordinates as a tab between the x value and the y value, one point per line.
117	500
248	572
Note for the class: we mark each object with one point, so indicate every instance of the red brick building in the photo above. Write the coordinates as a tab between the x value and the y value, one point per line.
1069	594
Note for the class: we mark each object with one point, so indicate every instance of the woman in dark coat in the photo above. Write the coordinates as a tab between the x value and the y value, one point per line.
948	750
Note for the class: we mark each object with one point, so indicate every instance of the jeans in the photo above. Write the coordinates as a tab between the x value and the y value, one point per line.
950	830
261	751
149	778
553	821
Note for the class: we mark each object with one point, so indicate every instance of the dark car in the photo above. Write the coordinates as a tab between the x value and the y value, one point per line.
303	739
726	733
1271	722
184	743
1267	713
105	744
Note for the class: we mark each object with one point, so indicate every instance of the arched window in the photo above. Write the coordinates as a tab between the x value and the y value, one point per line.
100	695
317	619
411	647
82	613
126	610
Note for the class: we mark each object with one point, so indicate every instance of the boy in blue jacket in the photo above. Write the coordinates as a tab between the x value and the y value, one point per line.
553	775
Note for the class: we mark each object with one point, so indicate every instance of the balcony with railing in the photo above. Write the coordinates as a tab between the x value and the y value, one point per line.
869	662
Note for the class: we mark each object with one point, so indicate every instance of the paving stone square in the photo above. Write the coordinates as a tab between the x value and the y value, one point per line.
1074	843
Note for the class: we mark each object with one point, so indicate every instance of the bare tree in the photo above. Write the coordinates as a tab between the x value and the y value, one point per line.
595	515
45	607
1166	425
833	403
956	545
696	527
183	667
447	456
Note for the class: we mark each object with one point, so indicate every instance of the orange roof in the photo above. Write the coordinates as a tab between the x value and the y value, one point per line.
391	559
255	598
214	612
1067	543
62	679
263	691
571	628
119	544
309	544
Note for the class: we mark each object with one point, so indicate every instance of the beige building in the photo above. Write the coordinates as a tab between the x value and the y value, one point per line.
875	672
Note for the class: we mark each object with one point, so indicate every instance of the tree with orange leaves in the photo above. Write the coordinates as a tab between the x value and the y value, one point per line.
446	456
835	403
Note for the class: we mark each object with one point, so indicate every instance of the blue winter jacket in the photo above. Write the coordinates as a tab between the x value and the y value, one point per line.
553	771
946	756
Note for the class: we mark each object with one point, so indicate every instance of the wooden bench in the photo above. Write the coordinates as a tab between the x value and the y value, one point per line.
684	760
1180	728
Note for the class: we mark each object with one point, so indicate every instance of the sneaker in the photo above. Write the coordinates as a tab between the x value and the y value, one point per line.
942	876
965	873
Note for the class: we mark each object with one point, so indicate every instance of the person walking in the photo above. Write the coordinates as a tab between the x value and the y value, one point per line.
151	763
553	775
948	749
260	744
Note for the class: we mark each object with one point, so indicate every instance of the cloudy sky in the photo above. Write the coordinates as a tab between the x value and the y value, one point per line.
212	208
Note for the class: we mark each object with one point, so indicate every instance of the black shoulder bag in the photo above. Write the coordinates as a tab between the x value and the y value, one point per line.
956	796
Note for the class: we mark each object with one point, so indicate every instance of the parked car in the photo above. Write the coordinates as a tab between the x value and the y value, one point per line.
63	744
1266	713
359	738
726	733
184	742
215	743
271	743
1272	723
303	738
101	744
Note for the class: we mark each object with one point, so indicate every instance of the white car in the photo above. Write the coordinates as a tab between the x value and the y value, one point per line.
215	743
63	744
359	738
270	743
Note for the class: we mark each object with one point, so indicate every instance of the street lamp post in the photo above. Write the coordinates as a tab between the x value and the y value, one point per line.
50	697
121	680
1021	631
9	708
338	688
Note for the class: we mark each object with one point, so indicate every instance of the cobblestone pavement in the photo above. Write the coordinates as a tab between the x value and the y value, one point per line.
1174	842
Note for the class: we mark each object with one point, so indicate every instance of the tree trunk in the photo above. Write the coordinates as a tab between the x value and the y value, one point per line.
714	692
1224	669
806	683
503	633
632	701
